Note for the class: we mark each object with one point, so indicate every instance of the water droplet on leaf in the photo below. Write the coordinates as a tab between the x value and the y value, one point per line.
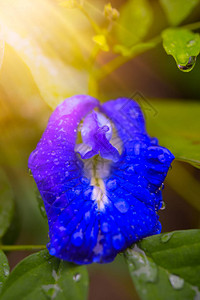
141	266
176	281
191	43
189	66
166	237
77	277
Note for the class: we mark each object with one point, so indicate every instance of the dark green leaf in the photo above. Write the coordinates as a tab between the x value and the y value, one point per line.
41	276
178	10
134	21
167	266
6	204
4	268
183	45
176	125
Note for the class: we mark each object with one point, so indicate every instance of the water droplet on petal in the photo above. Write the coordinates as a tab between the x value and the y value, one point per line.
122	205
77	277
189	66
66	174
118	241
52	251
166	237
163	206
176	281
85	180
112	184
105	227
56	161
162	187
77	238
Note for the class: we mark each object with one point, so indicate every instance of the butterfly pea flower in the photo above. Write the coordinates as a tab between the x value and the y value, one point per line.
100	176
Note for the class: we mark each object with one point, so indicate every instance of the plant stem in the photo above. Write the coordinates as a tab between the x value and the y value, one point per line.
92	22
192	26
21	247
120	60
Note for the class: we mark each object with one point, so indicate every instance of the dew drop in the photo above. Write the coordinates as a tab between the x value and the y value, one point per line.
162	187
176	281
77	238
66	174
105	227
112	184
6	269
163	206
166	237
52	251
189	66
191	43
122	205
51	290
140	266
85	180
77	277
118	241
56	161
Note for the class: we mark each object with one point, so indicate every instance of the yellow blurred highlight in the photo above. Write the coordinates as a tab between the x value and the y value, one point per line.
52	41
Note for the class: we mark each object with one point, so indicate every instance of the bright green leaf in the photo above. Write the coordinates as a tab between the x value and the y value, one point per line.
4	269
183	45
176	125
6	204
178	10
134	21
41	276
167	266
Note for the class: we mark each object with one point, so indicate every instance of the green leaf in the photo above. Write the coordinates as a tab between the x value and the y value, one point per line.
167	266
178	10
176	125
6	204
4	269
41	276
134	22
183	45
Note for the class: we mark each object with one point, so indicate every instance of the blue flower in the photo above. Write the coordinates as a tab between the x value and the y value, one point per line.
100	177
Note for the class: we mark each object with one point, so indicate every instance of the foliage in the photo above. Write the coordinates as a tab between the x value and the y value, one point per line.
166	266
56	46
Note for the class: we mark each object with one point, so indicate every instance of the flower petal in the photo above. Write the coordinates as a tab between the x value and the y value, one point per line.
97	136
91	221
